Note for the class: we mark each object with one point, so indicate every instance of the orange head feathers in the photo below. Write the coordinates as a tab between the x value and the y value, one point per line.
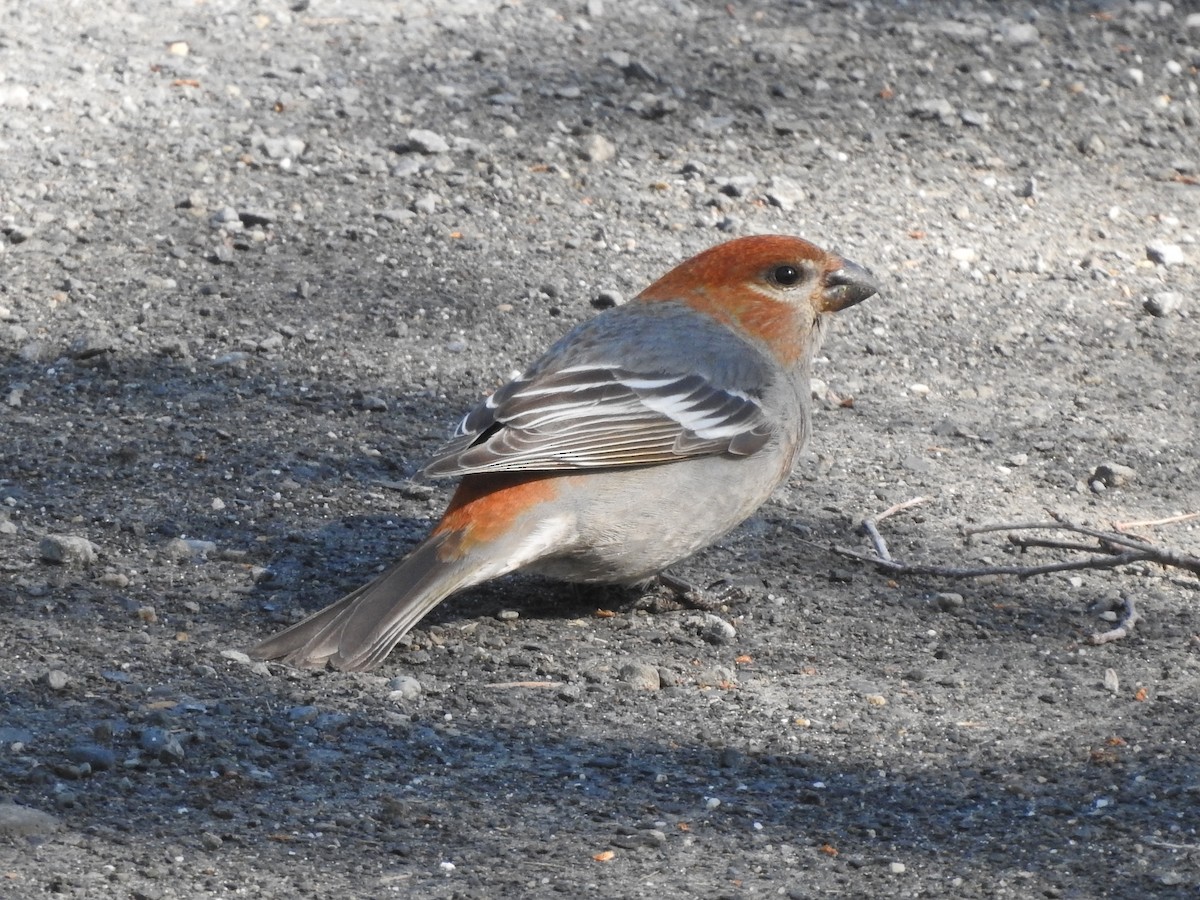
771	287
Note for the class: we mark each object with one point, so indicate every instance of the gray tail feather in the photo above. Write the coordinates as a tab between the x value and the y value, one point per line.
358	632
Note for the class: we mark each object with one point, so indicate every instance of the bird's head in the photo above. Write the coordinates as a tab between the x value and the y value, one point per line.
774	288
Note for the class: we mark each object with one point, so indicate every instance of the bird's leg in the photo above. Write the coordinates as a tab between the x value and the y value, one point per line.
667	593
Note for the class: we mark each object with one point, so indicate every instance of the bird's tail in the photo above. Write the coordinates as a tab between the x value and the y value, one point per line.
357	632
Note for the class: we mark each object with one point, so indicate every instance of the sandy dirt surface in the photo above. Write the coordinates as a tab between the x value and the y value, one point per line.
257	258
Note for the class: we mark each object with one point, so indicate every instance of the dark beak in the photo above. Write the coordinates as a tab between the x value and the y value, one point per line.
849	284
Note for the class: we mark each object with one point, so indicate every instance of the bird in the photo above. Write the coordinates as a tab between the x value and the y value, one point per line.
643	435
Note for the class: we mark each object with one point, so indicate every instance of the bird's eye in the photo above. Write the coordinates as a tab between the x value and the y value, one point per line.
785	276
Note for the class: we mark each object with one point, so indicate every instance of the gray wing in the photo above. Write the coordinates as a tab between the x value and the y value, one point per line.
593	415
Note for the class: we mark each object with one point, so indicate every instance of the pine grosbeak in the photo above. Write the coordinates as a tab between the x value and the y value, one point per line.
641	436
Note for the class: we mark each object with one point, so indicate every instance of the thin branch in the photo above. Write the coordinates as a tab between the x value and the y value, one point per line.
1129	618
898	568
870	527
1152	523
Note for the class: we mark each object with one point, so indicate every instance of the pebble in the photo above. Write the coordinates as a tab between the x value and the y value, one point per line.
1112	475
935	108
302	715
597	148
642	676
57	680
717	630
18	820
100	759
785	193
1164	254
422	141
160	744
606	298
189	548
373	403
1019	34
280	148
1111	682
404	687
949	602
1163	304
426	203
211	841
67	549
90	344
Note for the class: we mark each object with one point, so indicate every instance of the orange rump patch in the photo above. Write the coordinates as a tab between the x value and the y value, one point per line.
485	506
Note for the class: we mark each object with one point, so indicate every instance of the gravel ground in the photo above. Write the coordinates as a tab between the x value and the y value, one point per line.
256	259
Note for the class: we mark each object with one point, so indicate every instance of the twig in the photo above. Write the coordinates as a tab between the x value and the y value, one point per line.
505	685
898	568
1050	544
1129	618
1132	550
1152	523
870	527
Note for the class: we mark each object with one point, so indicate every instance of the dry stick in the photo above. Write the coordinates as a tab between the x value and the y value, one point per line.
1124	628
870	527
1151	523
1092	562
1121	550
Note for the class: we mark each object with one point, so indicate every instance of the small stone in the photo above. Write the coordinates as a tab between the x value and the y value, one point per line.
1091	145
1112	683
1019	34
373	403
57	680
67	550
964	254
23	821
160	744
1028	188
875	699
785	193
934	108
1136	77
93	343
508	615
404	687
100	759
302	715
949	602
210	841
737	185
642	676
607	298
1163	303
597	148
1112	475
14	96
283	148
1164	254
897	868
427	204
189	548
422	141
717	630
